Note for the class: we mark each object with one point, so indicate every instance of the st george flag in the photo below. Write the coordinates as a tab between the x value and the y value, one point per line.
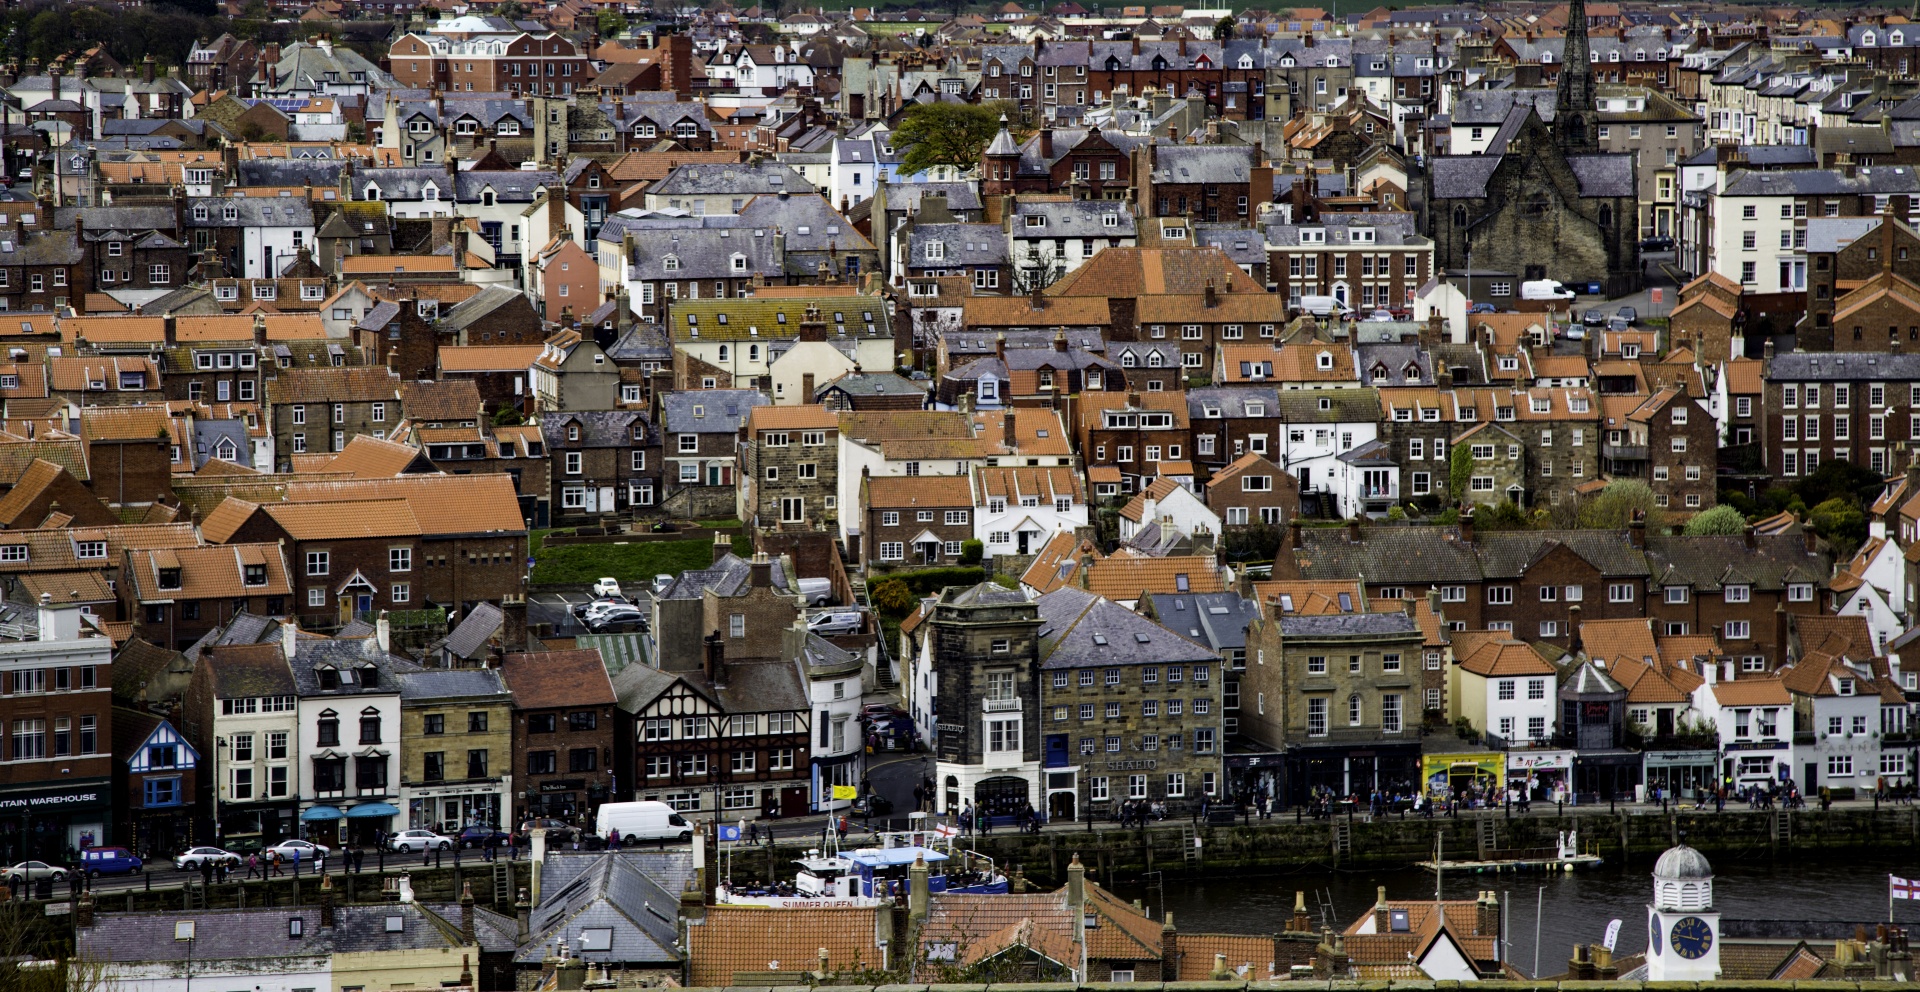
1903	888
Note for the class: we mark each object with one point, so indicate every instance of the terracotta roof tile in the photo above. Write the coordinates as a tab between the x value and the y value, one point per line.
1752	692
738	939
346	519
885	491
213	572
553	679
443	504
488	357
334	384
809	416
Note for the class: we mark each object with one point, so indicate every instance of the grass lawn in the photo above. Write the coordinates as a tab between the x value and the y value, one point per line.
637	562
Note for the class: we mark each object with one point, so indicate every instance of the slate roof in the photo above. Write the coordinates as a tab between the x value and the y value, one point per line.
1814	366
727	577
342	653
450	683
1824	182
1218	620
708	411
1081	630
1414	556
613	893
1708	563
234	934
731	180
1347	625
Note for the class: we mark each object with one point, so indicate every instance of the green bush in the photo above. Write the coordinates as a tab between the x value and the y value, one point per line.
971	551
637	562
928	581
1719	520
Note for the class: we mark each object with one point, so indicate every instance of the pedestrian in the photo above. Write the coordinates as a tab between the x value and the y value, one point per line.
841	826
296	862
491	842
320	862
206	873
753	832
613	839
253	865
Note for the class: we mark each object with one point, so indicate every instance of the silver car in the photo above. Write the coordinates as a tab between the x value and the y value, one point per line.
33	871
192	858
420	840
307	850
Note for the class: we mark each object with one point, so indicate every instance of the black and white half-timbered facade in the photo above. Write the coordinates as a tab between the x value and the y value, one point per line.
736	734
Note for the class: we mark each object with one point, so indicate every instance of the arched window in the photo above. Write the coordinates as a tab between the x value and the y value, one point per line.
1537	205
1606	215
1354	711
1459	216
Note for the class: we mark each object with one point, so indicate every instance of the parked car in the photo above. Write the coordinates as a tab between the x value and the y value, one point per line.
872	806
33	871
835	622
477	835
603	603
1618	323
880	711
1629	313
192	858
1658	242
607	587
109	861
558	831
1594	317
1380	315
1574	332
1482	308
307	849
420	840
615	617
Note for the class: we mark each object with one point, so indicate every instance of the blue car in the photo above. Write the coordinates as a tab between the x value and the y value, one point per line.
109	861
476	835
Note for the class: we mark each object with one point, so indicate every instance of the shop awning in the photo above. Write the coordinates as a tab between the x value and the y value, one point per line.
365	810
319	813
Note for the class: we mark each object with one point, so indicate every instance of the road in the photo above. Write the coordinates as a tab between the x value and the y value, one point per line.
1660	275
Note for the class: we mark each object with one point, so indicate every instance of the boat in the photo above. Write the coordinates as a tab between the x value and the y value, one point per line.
873	875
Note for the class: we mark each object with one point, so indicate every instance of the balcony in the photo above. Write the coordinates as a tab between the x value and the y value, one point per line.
1011	705
1623	452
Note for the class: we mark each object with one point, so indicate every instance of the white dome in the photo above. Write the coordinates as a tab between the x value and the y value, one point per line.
1682	862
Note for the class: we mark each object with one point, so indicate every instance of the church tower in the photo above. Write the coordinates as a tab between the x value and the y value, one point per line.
1574	102
1683	929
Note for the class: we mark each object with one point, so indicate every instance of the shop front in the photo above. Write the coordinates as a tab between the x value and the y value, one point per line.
321	824
54	823
1607	775
1349	772
446	810
1256	775
1474	777
252	826
1688	775
1762	764
367	823
1541	776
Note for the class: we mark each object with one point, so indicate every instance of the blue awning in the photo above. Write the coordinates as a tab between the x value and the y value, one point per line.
319	813
365	810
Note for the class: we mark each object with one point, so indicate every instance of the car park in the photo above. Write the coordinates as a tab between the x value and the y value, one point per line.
608	586
1618	323
192	858
110	861
419	840
601	604
615	617
33	871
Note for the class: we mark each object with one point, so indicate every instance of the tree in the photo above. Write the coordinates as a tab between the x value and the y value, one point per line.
1224	31
972	550
1618	504
512	10
611	23
893	598
1841	521
1459	472
1719	520
954	134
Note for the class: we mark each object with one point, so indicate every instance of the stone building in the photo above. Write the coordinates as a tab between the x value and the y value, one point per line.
1336	699
701	435
318	410
1127	707
1498	465
683	616
1547	184
1670	440
979	675
790	467
602	462
456	748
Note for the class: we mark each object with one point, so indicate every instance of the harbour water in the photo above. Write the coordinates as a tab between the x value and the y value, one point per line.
1575	907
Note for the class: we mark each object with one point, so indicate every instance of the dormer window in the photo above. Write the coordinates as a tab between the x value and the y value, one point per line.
1323	361
230	212
256	575
169	578
1844	686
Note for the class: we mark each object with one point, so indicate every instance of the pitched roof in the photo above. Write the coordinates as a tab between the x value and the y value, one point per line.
553	679
740	939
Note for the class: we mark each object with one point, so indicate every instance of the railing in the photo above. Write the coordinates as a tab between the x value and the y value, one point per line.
1624	452
1000	705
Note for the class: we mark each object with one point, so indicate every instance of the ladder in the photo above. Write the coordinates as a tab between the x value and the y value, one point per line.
1342	838
1323	900
1190	845
503	882
193	896
1488	830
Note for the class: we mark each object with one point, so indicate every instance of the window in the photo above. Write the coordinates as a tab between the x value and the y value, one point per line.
1840	765
317	562
1317	716
1499	595
1619	592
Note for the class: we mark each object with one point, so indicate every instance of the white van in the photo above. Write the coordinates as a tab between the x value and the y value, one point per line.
643	821
1544	289
1322	306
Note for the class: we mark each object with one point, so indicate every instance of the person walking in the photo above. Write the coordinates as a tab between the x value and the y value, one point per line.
253	865
841	826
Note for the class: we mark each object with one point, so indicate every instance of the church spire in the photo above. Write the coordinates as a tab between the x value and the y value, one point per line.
1574	103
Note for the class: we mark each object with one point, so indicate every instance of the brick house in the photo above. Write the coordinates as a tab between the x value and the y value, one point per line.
1744	589
601	462
1818	407
129	455
565	725
701	440
320	409
1134	432
750	620
175	596
790	466
159	772
396	543
1253	491
922	519
1678	440
39	268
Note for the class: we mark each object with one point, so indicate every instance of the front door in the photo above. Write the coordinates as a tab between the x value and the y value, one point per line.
1812	779
363	603
1663	723
1060	807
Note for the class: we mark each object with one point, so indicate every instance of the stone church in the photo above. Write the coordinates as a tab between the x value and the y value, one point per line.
1543	202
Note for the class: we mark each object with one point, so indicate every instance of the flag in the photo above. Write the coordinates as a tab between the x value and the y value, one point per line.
729	832
1904	888
845	792
946	830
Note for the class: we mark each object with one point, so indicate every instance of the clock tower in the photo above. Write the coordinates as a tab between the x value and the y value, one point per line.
1683	929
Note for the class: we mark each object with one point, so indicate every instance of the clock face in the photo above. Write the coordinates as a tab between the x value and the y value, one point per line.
1692	937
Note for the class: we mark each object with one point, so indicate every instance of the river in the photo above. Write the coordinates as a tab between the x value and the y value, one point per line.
1575	907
